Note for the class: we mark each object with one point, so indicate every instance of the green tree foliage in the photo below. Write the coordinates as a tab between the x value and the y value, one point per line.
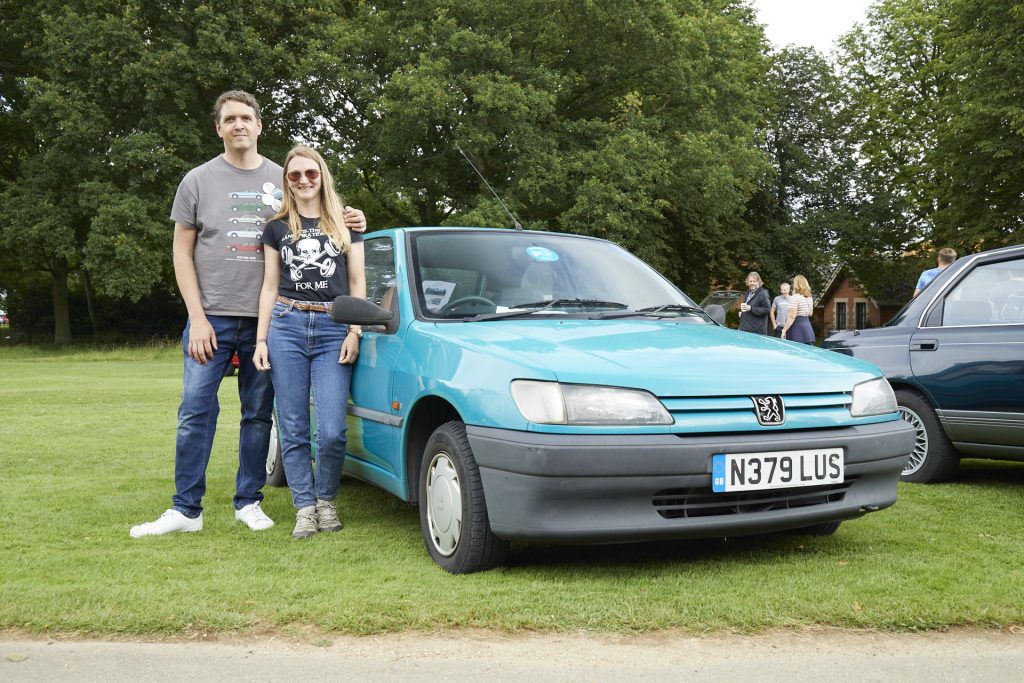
110	101
936	113
980	144
801	208
628	120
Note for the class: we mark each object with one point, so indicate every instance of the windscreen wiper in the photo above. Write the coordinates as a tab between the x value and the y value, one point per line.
535	307
661	311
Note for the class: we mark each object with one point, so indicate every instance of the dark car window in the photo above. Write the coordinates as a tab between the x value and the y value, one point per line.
991	294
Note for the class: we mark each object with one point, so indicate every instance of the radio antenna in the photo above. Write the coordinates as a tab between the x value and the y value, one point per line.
515	221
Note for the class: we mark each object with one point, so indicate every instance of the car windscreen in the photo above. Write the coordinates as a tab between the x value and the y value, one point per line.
466	273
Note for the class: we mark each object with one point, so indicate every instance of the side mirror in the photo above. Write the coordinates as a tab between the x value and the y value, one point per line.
355	311
716	313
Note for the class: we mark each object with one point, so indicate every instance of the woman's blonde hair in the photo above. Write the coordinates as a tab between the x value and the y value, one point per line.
801	287
332	212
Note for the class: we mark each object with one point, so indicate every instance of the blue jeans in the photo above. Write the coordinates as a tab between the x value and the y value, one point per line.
197	417
304	348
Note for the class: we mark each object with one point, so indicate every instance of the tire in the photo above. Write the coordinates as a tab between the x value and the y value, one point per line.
453	513
823	529
933	459
275	467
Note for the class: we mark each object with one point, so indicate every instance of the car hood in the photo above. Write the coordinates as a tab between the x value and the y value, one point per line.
668	358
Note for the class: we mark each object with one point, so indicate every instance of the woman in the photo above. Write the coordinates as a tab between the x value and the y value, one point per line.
755	306
310	258
798	318
780	309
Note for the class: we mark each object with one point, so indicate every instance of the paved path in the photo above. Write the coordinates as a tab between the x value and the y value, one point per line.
813	656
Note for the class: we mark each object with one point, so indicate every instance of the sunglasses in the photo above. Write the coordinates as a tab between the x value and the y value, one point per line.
311	174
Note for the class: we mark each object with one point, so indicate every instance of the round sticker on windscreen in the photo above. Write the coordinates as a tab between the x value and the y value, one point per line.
542	254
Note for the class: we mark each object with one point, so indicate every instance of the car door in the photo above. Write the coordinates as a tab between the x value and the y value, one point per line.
970	356
373	427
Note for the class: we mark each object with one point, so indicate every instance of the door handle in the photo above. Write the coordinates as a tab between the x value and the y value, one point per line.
924	345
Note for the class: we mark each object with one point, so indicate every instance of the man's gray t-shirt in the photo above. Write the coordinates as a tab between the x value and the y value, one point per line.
229	207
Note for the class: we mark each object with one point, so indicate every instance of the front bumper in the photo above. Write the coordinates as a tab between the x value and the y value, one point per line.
617	488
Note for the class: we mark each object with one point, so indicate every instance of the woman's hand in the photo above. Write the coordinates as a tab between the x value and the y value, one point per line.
349	349
261	359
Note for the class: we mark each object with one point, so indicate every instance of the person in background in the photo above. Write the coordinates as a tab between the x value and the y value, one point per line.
798	319
780	310
221	286
943	260
311	258
754	306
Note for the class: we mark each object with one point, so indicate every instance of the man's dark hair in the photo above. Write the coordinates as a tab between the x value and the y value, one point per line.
237	96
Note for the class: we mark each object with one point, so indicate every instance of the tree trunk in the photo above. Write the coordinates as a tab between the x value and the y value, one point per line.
90	302
61	304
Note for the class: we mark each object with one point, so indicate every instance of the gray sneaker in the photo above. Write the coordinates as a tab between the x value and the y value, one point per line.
327	516
305	522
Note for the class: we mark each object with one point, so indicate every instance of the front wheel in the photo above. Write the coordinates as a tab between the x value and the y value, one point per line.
933	459
453	513
275	467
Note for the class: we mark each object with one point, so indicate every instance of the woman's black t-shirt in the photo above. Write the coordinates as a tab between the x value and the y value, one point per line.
313	268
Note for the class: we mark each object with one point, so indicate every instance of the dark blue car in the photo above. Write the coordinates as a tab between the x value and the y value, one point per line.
955	357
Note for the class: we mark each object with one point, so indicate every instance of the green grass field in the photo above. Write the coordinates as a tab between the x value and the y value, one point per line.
86	451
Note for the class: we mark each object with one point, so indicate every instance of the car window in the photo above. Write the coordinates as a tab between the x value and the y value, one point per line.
381	283
474	272
991	294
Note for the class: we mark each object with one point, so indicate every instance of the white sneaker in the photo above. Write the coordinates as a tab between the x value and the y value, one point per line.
172	520
254	517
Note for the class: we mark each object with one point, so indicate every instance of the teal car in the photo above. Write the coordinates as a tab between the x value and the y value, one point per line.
535	386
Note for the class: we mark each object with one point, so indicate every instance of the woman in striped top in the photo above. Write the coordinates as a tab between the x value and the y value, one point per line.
798	321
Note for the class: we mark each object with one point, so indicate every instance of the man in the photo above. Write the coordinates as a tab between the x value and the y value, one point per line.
943	260
219	211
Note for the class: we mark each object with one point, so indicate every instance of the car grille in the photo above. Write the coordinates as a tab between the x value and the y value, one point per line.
711	414
701	502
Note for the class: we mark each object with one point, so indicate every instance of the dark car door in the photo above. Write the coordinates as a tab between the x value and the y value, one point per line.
970	356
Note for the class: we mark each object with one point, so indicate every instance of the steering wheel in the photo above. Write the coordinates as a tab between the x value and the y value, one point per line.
452	305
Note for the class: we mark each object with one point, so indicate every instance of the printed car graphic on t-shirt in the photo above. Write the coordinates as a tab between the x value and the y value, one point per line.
258	248
246	233
255	220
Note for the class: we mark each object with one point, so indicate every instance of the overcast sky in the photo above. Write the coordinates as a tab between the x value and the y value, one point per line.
816	23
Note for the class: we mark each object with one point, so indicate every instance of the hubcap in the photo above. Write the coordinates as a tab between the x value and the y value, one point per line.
273	450
920	452
444	504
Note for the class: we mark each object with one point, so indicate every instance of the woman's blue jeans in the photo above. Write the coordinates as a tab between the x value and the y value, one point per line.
197	416
304	348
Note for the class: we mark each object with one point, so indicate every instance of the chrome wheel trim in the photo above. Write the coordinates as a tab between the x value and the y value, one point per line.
444	504
920	452
273	450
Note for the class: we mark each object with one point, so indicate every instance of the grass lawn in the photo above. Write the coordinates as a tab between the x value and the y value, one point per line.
86	451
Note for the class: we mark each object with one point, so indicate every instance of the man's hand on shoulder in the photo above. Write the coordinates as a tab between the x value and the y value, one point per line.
355	220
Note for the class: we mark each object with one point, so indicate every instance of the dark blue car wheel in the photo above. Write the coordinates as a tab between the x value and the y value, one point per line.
933	459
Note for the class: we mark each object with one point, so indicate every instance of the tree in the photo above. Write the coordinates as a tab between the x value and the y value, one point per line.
631	120
112	98
980	140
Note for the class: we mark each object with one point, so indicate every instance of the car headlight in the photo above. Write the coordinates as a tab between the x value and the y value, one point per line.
874	397
583	404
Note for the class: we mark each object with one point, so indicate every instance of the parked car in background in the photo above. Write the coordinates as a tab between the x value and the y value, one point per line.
536	386
955	357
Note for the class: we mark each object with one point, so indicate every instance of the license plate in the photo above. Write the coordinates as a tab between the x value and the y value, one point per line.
775	470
